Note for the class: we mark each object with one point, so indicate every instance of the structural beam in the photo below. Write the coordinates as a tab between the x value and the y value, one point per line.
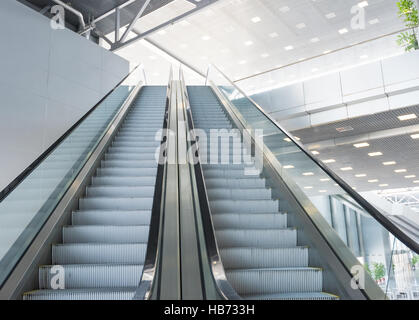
199	6
117	23
134	21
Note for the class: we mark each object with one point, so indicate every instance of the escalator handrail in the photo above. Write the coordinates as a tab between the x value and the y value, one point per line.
28	170
373	211
144	291
216	266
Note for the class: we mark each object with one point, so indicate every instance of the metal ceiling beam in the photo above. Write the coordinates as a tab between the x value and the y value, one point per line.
199	6
134	21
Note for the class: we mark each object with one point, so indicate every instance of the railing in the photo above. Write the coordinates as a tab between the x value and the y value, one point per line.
368	234
34	195
214	264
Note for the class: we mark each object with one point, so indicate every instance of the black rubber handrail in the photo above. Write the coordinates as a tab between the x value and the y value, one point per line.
376	214
22	176
151	258
217	270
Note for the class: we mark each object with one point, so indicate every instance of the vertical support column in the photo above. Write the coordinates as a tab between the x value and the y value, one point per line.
117	23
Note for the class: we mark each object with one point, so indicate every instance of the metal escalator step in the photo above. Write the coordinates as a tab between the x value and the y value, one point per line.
82	294
269	281
235	183
128	164
105	234
120	192
267	238
106	203
250	258
99	253
245	206
93	276
243	194
127	172
111	218
123	181
249	220
293	296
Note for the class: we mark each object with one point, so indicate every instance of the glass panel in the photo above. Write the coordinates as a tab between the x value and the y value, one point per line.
386	258
24	211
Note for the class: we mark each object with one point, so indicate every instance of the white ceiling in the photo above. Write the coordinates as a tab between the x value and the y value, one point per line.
224	33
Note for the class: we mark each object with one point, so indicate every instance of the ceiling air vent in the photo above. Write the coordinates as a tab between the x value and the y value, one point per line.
344	129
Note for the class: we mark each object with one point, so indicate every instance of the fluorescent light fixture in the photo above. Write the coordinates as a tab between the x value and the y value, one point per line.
415	136
327	51
383	185
314	40
256	19
308	187
389	163
343	31
374	21
400	170
315	152
416	181
329	161
361	145
331	15
288	167
301	25
324	179
373	180
322	191
288	48
407	117
361	175
296	138
264	55
248	43
346	169
375	154
308	174
363	4
287	139
410	176
274	35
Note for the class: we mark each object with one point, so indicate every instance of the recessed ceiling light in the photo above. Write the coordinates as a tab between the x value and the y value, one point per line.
301	25
407	117
361	145
353	188
314	40
343	31
389	163
373	180
288	166
363	4
331	15
416	181
324	179
296	138
264	55
375	154
322	191
315	152
256	19
287	139
308	174
248	43
329	161
206	38
415	136
361	175
374	21
346	169
288	48
308	187
400	170
274	35
383	185
410	176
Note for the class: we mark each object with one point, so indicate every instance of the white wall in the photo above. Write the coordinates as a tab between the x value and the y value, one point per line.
367	89
48	80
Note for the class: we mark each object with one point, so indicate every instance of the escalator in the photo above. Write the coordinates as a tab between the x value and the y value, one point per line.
272	224
259	252
103	251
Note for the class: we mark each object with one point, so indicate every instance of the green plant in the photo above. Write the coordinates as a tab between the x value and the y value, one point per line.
415	260
409	12
379	270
